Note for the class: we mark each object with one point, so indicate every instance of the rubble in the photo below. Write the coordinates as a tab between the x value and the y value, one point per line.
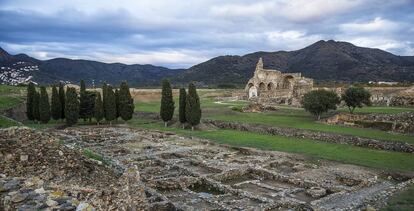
195	174
38	173
150	170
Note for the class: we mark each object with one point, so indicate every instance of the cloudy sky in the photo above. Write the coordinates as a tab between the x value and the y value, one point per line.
180	33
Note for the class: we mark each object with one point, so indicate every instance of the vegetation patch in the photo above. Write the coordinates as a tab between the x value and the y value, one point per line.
401	201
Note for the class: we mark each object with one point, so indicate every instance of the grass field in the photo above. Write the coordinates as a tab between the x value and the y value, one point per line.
9	102
403	201
6	122
286	117
386	160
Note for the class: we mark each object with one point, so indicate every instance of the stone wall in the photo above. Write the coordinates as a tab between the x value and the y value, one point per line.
315	135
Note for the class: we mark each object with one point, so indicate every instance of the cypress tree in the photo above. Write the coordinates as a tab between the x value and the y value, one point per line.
98	108
118	114
62	100
56	109
110	105
192	107
83	101
181	106
31	89
72	106
44	106
167	102
36	98
126	103
104	87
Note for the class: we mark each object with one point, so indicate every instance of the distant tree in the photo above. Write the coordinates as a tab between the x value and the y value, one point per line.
89	105
62	100
44	106
31	90
167	102
192	107
83	101
104	87
118	113
98	108
56	107
72	106
181	106
320	101
36	99
126	103
110	105
356	97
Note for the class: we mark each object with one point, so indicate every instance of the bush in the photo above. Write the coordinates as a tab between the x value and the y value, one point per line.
356	97
320	101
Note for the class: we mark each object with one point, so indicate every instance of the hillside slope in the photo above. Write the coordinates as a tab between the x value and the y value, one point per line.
323	60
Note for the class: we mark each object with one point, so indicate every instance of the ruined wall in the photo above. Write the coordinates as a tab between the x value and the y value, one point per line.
275	87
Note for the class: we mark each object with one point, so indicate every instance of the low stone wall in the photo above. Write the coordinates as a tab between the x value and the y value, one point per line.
401	122
315	135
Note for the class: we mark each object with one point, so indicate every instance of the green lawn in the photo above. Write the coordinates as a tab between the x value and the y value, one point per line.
285	117
380	109
301	120
386	160
6	122
9	102
403	201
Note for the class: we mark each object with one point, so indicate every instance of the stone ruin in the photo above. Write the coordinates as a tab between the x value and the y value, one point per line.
273	86
181	173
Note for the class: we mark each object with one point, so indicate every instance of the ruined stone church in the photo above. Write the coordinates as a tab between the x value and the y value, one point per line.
273	86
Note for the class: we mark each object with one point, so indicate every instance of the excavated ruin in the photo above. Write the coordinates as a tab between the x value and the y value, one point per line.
181	173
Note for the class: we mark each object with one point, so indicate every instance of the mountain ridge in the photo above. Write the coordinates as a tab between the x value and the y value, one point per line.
323	60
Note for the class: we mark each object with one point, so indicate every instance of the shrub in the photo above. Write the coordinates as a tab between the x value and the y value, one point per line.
320	101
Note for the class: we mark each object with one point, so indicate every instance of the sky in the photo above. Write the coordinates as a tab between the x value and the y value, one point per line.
182	33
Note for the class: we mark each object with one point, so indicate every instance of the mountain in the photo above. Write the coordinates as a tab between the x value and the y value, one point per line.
322	61
15	69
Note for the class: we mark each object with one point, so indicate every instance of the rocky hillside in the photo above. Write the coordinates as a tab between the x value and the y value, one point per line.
15	69
323	60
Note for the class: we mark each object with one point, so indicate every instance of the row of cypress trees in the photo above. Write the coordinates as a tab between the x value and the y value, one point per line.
87	105
38	107
189	110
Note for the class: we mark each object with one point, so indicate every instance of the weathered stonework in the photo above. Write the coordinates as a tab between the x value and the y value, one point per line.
273	86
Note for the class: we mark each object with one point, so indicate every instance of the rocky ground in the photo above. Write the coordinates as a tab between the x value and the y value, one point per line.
38	172
141	169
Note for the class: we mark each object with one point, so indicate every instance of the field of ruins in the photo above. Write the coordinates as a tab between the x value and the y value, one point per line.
242	156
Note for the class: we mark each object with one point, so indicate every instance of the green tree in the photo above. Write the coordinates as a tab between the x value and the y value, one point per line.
167	102
192	107
56	109
44	106
72	106
181	106
110	105
356	97
126	103
98	108
118	112
62	100
320	101
83	107
36	99
31	89
104	87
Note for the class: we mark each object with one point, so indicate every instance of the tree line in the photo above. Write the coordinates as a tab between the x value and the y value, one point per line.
87	105
189	110
321	101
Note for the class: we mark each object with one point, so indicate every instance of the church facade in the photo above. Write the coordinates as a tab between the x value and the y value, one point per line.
273	86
